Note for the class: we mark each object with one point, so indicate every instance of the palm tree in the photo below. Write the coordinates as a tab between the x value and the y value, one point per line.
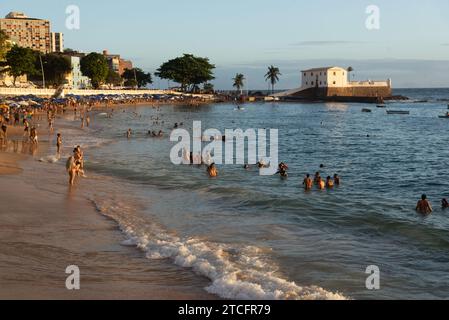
350	69
239	82
273	76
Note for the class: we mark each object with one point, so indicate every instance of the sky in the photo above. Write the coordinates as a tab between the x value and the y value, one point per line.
411	45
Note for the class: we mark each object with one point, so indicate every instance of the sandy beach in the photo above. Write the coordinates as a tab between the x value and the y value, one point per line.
46	227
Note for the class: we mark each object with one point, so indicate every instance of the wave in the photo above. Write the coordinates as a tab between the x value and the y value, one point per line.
236	272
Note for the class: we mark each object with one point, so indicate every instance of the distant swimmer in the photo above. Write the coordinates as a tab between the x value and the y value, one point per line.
444	204
129	133
308	182
212	171
329	183
424	207
246	167
336	179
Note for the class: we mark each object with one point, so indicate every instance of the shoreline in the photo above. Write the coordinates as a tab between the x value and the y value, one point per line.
47	226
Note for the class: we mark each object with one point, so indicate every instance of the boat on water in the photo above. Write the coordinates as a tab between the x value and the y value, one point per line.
398	112
366	110
444	117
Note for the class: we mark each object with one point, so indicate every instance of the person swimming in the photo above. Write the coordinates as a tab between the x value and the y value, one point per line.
212	171
283	168
444	204
424	207
308	182
329	183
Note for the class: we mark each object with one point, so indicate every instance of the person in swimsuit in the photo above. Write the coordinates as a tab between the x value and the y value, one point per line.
321	184
444	204
424	207
336	179
329	183
317	178
308	183
59	143
212	171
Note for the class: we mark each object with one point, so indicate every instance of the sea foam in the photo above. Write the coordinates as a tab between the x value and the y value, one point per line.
235	272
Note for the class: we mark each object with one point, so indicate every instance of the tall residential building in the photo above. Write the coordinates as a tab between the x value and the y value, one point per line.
57	42
27	32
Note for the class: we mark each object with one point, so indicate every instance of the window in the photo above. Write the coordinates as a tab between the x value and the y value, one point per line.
335	73
335	82
312	83
312	74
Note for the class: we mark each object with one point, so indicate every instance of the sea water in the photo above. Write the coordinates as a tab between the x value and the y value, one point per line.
258	237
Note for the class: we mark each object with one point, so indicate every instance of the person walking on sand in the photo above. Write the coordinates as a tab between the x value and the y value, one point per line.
59	143
87	121
424	207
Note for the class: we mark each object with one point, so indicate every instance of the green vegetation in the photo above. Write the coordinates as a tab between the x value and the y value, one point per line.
239	82
273	76
114	78
189	71
20	61
95	66
350	69
56	67
138	74
208	88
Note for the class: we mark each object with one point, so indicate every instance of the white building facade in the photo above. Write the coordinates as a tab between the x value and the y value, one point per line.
325	77
76	79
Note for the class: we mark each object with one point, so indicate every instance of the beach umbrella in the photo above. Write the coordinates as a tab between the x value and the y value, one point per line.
23	104
33	103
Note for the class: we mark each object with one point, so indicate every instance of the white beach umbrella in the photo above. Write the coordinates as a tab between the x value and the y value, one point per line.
23	103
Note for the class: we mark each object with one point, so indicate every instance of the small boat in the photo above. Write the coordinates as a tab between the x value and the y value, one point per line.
381	106
444	117
366	110
398	112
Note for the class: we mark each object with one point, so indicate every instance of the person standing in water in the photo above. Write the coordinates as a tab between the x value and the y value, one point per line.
336	179
129	133
329	183
308	183
212	171
321	184
424	207
59	143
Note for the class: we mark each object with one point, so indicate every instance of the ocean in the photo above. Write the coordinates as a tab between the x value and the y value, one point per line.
262	237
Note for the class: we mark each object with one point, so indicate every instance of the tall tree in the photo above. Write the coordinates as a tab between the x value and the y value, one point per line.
114	78
239	82
20	61
137	77
189	71
273	76
96	67
56	67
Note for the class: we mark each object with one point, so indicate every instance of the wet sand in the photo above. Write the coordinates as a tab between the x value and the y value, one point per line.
46	227
9	163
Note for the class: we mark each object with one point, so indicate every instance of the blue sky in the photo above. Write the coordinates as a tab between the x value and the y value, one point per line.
411	46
